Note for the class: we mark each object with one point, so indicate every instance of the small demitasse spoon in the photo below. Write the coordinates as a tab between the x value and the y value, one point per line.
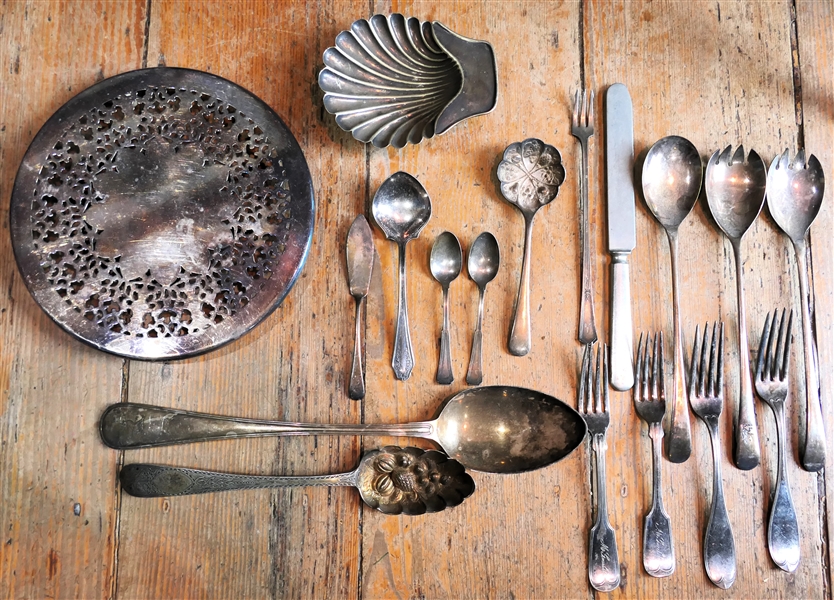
445	263
484	260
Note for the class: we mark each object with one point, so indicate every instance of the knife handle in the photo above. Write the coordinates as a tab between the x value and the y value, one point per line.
622	365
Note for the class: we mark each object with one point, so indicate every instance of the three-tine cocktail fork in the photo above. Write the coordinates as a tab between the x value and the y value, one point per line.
603	558
650	404
772	387
706	397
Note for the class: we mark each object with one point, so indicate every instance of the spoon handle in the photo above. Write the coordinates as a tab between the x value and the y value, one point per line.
782	527
403	359
356	390
475	374
679	439
444	366
719	546
747	451
813	454
156	481
521	334
127	425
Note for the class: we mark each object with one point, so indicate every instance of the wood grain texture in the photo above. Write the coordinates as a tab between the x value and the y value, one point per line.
718	73
58	493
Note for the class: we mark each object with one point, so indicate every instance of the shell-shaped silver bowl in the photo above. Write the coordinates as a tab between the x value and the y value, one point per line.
393	81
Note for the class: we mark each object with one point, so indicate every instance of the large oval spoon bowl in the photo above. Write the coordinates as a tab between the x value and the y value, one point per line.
401	207
499	429
672	175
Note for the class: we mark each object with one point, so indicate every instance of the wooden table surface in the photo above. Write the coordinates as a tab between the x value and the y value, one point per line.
718	73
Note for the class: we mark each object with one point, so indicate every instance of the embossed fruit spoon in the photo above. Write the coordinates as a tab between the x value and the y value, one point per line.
671	180
484	259
794	195
530	175
401	207
499	429
445	263
735	190
392	480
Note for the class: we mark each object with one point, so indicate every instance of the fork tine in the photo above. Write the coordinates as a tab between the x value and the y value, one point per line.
598	388
719	359
703	363
575	115
763	362
658	356
647	366
693	366
605	386
786	357
655	369
712	375
590	113
638	370
772	360
583	375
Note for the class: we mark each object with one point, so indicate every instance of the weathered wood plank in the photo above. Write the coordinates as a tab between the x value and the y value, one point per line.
814	22
294	366
58	497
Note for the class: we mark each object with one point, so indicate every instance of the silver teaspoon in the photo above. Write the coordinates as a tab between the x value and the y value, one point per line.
445	263
530	175
401	207
735	190
484	259
794	195
392	480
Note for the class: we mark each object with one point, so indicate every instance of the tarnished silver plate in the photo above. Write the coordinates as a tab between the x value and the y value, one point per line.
162	213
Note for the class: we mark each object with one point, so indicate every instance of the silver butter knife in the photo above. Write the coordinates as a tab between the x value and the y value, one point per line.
619	162
360	263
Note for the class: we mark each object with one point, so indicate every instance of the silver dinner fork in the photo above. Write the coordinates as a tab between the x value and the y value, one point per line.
582	128
650	404
772	387
706	396
603	559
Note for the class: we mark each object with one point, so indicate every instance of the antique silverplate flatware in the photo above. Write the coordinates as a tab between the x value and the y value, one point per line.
582	128
530	175
794	195
483	263
445	263
392	480
499	429
395	81
706	395
735	189
672	175
650	404
772	375
360	264
401	208
622	231
161	213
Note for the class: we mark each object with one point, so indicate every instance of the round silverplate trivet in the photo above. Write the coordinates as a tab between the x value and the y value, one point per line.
162	213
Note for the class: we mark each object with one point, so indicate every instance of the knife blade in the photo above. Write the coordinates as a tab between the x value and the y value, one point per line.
622	237
360	264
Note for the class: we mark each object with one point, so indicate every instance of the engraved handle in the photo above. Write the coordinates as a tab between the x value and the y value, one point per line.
403	360
813	454
127	425
444	366
521	334
747	452
356	390
622	365
719	547
658	549
587	327
603	558
679	439
782	527
156	481
475	374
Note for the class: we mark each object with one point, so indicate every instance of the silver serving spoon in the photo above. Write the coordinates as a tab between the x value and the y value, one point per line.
735	190
499	429
794	195
445	263
530	175
392	480
671	180
401	207
484	259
